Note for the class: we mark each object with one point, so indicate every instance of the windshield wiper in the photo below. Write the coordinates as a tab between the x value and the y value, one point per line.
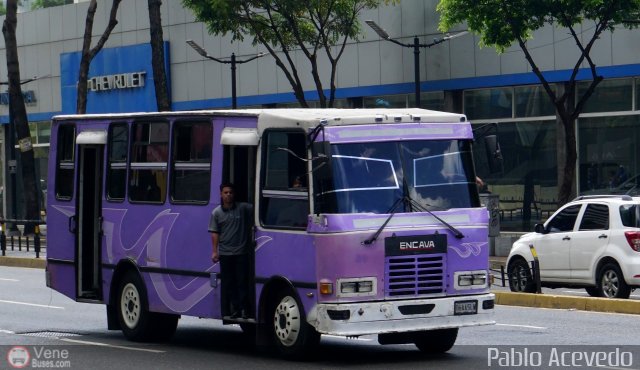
412	204
392	212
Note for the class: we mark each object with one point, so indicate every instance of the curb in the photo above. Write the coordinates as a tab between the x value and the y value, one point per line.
566	302
38	263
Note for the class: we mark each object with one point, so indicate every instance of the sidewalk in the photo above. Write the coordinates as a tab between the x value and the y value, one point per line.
24	258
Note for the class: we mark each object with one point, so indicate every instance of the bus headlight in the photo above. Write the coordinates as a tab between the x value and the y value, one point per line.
357	287
470	279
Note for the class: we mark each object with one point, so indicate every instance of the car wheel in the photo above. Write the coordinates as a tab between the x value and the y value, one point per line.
519	275
593	291
611	283
293	336
436	341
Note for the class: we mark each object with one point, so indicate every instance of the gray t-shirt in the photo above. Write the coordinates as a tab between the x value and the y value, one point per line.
233	226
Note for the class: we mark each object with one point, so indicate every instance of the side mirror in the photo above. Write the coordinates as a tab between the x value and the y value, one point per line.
539	228
494	155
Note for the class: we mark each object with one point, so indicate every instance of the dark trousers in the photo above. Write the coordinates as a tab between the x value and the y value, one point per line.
235	270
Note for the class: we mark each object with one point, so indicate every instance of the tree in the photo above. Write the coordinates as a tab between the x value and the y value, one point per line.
88	53
501	23
284	25
18	113
39	4
157	56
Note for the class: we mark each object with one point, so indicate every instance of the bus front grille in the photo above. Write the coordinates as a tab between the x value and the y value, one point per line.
414	275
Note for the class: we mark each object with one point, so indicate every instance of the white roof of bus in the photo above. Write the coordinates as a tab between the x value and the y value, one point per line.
286	117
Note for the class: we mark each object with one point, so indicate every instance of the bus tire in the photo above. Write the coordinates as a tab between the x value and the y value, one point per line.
436	341
293	336
135	319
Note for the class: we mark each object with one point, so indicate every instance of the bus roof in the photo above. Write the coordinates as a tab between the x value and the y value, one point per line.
285	117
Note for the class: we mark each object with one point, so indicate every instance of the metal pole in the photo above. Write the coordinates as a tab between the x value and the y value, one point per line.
234	103
416	62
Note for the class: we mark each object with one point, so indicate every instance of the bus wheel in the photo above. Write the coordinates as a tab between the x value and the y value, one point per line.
134	318
436	341
293	336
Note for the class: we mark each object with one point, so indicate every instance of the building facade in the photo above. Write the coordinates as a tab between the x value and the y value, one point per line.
456	76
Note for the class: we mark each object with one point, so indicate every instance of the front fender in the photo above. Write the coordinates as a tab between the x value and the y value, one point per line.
520	249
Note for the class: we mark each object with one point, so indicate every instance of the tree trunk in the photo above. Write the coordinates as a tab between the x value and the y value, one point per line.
18	111
85	60
566	189
88	54
157	56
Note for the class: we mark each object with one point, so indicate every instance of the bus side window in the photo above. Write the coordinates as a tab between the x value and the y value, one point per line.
148	171
285	198
191	162
117	164
65	168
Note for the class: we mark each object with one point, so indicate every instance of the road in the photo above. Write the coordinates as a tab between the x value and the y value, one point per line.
40	319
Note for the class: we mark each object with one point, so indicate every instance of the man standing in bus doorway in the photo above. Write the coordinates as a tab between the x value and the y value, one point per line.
230	226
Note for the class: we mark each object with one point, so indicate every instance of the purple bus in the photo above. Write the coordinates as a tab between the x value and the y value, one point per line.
367	221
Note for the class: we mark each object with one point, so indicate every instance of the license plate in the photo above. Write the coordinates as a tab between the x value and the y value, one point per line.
465	308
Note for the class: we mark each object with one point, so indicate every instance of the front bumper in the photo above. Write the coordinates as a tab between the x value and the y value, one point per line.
386	316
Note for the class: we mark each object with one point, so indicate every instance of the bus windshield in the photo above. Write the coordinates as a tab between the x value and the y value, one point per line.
371	177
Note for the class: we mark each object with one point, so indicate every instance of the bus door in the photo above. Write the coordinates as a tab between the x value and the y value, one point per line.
239	168
89	214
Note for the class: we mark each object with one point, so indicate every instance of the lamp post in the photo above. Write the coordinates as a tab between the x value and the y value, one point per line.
416	45
233	61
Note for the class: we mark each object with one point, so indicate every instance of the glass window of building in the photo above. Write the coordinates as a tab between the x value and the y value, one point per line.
608	148
386	101
44	132
433	100
489	103
533	101
609	96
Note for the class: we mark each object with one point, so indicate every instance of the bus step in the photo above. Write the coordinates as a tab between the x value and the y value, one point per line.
229	320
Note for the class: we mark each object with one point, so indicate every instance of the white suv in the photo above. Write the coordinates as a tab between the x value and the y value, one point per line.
592	242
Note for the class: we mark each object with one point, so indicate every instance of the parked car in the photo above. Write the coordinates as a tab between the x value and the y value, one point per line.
592	242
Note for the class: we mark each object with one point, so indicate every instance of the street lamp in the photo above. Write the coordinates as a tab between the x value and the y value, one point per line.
233	61
416	50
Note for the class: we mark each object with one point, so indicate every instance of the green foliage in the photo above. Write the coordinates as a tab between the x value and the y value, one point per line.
3	10
500	23
311	26
39	4
282	23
